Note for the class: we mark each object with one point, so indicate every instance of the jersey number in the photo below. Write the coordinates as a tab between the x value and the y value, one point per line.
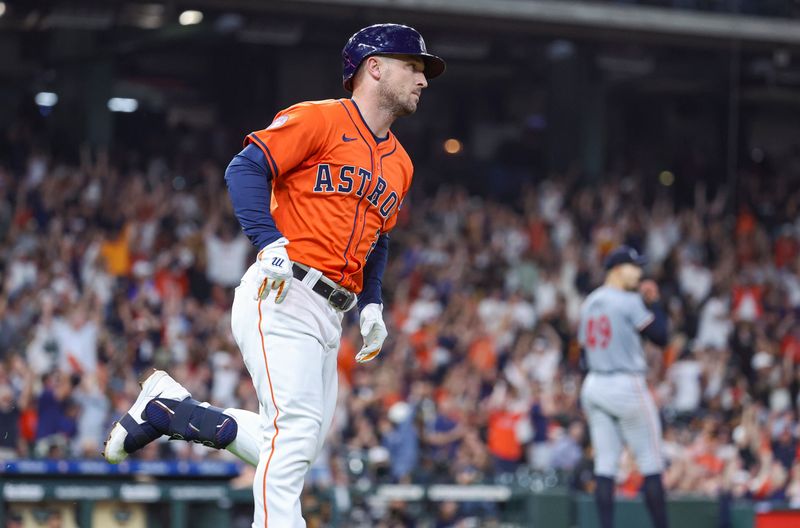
598	332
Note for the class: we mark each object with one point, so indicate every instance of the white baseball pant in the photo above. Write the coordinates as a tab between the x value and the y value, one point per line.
290	351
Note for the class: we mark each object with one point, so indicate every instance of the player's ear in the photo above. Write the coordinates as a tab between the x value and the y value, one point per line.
374	67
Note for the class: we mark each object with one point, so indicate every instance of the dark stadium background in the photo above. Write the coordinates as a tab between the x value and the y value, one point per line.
559	130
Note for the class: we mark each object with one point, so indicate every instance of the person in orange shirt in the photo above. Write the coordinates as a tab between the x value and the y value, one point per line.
502	439
116	252
317	191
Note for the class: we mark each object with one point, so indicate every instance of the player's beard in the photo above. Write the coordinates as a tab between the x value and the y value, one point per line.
396	102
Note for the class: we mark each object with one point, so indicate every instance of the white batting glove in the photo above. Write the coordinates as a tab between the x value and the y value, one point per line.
274	270
373	330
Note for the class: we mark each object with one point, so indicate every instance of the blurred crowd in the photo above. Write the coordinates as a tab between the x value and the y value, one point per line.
110	267
771	8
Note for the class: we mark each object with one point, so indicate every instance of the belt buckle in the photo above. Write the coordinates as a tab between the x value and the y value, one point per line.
339	299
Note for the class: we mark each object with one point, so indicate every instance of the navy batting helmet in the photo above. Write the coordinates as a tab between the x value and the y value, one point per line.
386	39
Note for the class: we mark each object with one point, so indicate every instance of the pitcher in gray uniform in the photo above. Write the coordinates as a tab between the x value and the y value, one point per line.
618	406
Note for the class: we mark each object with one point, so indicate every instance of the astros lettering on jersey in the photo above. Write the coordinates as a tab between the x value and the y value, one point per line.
329	170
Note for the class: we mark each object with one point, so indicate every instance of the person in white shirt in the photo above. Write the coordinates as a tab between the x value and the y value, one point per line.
227	256
77	339
685	377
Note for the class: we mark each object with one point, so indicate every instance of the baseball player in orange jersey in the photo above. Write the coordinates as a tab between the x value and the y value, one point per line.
317	191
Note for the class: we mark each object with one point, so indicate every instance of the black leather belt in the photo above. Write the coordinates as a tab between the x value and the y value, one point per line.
339	298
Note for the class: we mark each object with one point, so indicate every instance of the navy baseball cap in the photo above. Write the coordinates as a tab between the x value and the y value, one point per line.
624	255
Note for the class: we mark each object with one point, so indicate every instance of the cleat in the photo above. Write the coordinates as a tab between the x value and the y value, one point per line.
132	432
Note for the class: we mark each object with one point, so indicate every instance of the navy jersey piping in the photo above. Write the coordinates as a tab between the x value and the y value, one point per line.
358	204
273	166
366	209
376	138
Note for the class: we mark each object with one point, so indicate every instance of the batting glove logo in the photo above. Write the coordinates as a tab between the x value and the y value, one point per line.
274	271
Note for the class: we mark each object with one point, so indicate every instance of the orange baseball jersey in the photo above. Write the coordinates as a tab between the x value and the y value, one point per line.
335	187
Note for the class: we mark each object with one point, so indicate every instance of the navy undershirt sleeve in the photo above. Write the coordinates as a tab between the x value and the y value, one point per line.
248	178
373	273
656	331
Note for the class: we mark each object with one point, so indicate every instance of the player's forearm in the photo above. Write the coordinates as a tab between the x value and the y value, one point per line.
247	178
657	331
373	273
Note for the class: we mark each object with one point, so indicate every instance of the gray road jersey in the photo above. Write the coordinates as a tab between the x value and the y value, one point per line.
609	330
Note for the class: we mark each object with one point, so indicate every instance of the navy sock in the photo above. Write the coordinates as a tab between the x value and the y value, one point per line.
654	498
725	505
604	497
